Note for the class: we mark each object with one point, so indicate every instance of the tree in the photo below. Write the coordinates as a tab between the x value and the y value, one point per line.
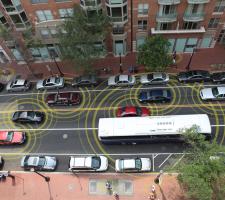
153	54
202	171
81	32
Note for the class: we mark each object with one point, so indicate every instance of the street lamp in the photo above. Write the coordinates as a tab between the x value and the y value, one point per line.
157	179
53	58
121	70
47	178
189	63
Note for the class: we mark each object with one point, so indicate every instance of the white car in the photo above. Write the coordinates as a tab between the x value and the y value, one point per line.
154	78
88	163
50	83
18	85
121	80
133	165
213	93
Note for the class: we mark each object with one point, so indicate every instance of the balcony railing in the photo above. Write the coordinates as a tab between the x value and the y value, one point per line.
118	30
113	2
118	19
178	31
161	17
198	1
193	17
168	2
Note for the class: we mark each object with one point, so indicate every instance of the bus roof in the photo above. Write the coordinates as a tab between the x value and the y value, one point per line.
152	125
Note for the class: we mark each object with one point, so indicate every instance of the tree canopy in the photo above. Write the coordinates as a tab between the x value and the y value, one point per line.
82	37
202	171
153	54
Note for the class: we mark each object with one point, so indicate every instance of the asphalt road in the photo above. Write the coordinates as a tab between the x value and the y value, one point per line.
73	130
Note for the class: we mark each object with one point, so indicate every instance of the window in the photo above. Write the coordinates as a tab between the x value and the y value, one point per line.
142	9
44	15
140	41
142	24
63	0
45	33
213	23
220	6
39	1
190	25
64	13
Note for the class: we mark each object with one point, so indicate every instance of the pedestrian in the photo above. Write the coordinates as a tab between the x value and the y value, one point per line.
153	189
116	196
108	186
151	196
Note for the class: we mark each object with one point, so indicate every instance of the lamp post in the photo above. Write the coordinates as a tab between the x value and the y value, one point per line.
121	70
157	179
189	63
53	58
47	178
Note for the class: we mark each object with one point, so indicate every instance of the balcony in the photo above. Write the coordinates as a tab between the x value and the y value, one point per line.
91	4
118	30
193	17
168	2
162	17
119	19
115	2
178	31
198	1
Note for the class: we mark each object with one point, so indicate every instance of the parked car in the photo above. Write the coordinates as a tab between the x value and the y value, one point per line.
1	87
18	85
39	163
154	78
133	165
12	137
1	162
28	116
194	76
88	163
132	111
155	95
64	99
213	93
50	83
121	80
87	80
218	77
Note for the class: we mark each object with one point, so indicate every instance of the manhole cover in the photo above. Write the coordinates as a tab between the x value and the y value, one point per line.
65	136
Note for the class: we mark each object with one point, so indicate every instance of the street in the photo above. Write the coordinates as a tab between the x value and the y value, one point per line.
73	130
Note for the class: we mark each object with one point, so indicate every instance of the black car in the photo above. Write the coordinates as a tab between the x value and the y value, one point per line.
28	116
1	87
155	95
87	80
1	162
194	76
218	77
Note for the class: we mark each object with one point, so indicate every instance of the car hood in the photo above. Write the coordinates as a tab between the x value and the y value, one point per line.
104	163
39	84
8	85
206	93
146	164
111	80
144	79
50	162
182	75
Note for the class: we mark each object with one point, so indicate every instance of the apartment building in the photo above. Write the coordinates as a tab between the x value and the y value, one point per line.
187	24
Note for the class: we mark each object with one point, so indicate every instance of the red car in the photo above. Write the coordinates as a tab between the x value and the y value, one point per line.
12	137
132	111
64	99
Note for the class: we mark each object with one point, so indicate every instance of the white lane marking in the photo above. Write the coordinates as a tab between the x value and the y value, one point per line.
215	125
104	89
165	160
48	129
80	154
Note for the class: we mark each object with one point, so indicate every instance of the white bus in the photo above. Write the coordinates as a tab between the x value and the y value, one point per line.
132	130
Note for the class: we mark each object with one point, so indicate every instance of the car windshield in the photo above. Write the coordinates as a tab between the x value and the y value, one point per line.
129	78
96	162
215	91
163	75
150	76
25	82
57	80
138	163
9	136
117	78
30	114
41	161
138	110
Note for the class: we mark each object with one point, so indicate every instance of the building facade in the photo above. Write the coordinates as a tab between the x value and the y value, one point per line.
187	24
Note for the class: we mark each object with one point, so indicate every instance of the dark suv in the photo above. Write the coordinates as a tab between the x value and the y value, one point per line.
194	76
87	80
64	99
218	77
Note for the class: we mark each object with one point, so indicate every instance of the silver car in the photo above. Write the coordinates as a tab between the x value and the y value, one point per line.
133	165
213	93
154	78
50	83
121	80
40	163
18	85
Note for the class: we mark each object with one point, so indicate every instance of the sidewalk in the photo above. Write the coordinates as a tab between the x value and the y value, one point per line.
67	186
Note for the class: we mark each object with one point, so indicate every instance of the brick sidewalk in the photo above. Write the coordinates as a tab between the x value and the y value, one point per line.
67	186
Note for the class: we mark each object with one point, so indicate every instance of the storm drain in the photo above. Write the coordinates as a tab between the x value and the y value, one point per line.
121	187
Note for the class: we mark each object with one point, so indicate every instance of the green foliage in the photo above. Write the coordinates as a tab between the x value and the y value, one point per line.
202	171
4	33
153	54
30	40
82	31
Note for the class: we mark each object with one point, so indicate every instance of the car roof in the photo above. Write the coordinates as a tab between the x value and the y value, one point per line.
19	82
157	75
81	161
3	135
33	160
123	77
129	163
221	90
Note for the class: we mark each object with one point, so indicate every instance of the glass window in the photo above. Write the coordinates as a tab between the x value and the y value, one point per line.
44	15
45	33
65	13
142	9
38	1
142	24
63	0
140	41
213	23
220	6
